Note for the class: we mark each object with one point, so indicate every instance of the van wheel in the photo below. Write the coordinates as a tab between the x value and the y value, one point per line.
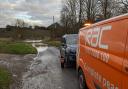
82	82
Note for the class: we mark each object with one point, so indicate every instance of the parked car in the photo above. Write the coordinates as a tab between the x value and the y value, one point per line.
102	55
68	49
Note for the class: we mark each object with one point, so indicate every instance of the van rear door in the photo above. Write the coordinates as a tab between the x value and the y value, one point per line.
104	58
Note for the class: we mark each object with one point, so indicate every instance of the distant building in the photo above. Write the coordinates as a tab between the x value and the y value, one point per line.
56	30
54	26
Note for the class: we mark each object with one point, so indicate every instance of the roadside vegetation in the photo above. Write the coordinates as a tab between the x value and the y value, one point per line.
5	79
10	47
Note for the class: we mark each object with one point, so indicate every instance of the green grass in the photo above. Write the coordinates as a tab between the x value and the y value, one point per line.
5	79
16	48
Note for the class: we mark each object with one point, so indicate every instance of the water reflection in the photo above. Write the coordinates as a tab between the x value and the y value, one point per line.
33	41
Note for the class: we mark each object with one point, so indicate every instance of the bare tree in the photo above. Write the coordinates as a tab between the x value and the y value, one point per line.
20	23
125	6
125	2
64	18
68	16
80	5
110	8
91	9
76	12
87	10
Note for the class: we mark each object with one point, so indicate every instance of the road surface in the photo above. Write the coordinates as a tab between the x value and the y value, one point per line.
39	72
45	72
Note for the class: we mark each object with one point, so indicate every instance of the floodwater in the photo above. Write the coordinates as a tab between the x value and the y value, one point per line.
45	72
41	71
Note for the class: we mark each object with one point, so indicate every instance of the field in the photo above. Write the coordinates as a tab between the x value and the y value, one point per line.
16	48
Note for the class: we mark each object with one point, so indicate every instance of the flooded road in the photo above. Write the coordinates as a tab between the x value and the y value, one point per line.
41	71
45	72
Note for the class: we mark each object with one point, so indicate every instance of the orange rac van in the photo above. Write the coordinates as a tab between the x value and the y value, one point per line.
102	54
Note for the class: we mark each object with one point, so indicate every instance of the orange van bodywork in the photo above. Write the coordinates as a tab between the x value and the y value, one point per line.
102	53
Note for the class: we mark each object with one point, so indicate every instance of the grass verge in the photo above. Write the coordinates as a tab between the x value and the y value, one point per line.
16	48
5	79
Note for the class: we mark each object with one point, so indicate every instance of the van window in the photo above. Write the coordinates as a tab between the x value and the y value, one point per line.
71	41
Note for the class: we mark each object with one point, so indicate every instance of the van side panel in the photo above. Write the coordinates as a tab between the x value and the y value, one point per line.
125	64
80	59
103	54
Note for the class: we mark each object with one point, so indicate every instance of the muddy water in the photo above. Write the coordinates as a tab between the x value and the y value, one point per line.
17	65
45	72
41	71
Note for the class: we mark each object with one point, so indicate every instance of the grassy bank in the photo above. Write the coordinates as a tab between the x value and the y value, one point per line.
5	79
16	48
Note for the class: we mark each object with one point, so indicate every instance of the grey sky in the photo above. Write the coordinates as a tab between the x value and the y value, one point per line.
35	12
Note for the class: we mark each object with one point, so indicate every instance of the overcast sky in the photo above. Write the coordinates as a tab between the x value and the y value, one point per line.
37	12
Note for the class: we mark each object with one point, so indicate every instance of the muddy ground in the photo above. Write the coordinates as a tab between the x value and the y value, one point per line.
17	65
41	71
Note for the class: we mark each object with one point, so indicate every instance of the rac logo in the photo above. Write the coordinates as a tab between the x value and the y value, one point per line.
94	36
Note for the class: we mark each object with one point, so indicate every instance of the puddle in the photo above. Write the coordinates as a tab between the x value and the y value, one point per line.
32	41
43	71
38	45
41	49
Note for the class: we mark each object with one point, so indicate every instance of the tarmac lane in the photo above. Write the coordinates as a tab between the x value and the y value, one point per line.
45	72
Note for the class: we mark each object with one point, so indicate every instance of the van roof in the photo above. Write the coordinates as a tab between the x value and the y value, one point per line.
124	16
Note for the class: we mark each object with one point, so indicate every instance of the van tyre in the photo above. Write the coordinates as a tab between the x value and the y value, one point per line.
82	82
